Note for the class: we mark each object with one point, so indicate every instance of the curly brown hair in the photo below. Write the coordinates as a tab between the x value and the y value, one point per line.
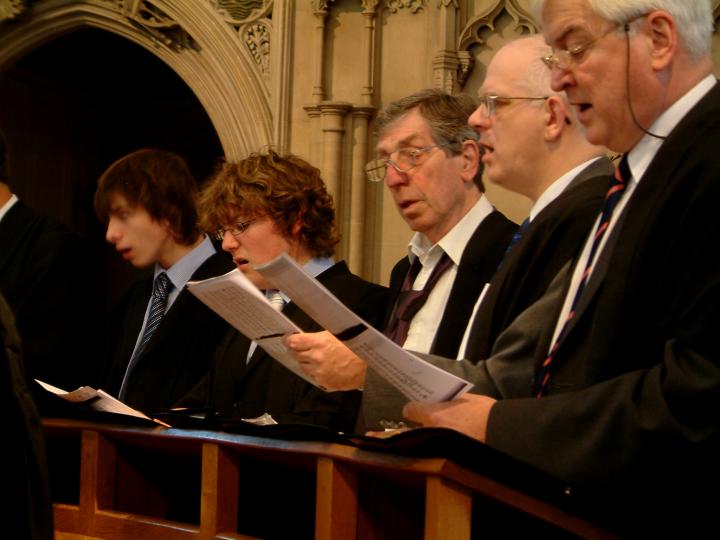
284	188
158	180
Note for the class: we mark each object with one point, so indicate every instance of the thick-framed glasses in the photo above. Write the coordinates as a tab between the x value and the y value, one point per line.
402	160
236	230
490	101
569	58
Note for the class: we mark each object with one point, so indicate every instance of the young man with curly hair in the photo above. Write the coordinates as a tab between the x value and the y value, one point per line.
262	206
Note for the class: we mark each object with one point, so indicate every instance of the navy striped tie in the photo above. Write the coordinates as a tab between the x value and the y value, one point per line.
158	303
613	196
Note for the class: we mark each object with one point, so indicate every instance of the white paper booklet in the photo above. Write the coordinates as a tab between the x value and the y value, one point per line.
97	400
417	379
237	300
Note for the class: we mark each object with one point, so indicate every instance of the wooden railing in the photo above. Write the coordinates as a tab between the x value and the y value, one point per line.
119	482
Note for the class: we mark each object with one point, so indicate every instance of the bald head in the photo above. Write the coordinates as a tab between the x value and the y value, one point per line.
531	138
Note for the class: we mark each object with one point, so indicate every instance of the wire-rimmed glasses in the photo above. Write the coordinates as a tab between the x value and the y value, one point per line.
236	230
402	160
490	101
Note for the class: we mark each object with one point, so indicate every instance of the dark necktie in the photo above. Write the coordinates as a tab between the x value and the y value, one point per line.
613	196
514	240
158	303
409	301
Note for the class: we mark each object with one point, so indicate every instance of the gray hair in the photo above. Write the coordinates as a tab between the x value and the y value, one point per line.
447	116
693	18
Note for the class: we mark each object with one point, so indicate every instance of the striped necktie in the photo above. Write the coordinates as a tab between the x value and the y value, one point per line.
276	299
617	189
158	303
278	302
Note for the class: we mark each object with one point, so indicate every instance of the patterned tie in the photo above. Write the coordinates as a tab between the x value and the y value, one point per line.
158	303
613	196
278	302
409	301
276	299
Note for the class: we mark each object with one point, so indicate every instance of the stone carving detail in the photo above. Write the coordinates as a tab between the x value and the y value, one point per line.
9	9
522	20
413	5
466	64
320	6
257	40
449	3
155	23
252	22
243	12
369	6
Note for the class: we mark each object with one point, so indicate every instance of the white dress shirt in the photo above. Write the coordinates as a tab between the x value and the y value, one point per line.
424	325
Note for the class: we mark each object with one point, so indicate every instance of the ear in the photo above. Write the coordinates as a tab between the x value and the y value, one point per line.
663	35
297	226
556	118
470	156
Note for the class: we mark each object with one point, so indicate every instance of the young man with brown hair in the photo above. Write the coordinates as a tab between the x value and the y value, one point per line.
162	336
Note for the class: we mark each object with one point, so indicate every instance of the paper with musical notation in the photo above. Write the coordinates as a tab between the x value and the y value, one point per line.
417	379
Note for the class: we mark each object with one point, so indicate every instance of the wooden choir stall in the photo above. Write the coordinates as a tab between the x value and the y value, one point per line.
119	481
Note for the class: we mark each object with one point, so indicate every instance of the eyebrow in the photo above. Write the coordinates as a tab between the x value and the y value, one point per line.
568	31
402	142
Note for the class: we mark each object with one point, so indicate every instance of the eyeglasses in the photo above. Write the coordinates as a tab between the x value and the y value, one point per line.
568	58
490	102
236	230
404	160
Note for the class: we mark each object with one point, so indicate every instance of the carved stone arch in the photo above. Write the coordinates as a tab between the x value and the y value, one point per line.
486	18
194	41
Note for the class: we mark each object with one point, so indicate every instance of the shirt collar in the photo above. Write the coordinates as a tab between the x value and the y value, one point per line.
8	205
640	157
317	265
556	188
314	267
181	272
456	239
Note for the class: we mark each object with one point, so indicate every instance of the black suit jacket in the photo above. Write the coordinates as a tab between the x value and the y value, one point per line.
27	512
48	279
550	241
632	416
236	388
178	354
552	238
480	260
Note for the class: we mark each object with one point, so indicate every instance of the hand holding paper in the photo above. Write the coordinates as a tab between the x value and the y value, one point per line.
415	378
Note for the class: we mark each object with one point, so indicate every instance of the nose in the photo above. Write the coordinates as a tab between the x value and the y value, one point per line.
112	235
479	120
393	177
229	242
560	79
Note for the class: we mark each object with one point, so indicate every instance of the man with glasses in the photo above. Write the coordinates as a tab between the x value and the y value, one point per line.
626	387
265	205
533	146
158	350
429	159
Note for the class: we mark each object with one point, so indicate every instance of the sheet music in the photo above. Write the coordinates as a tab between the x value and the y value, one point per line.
237	300
97	400
417	379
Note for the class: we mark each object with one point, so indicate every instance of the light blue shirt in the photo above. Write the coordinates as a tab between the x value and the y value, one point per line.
179	274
